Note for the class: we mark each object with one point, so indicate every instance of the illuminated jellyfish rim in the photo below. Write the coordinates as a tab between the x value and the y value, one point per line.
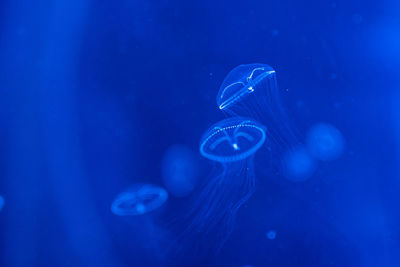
245	90
133	197
236	157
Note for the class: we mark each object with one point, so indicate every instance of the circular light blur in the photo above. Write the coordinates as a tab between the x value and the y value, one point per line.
298	165
325	142
271	235
179	170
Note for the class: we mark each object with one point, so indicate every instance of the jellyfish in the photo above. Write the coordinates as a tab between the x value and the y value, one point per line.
271	235
231	143
298	164
138	200
325	142
251	91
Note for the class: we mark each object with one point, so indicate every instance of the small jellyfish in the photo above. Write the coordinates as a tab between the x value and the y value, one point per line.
251	90
1	203
271	235
232	140
232	143
325	142
139	199
298	164
180	170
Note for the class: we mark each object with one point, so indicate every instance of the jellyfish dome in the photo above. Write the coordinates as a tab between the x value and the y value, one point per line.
139	199
232	139
271	235
325	142
241	82
251	90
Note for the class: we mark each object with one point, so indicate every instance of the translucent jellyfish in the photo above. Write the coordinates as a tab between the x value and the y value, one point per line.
298	164
139	199
325	142
232	140
1	203
241	82
232	143
251	90
180	170
271	235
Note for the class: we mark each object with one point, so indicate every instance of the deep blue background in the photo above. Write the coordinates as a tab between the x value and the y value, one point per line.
92	93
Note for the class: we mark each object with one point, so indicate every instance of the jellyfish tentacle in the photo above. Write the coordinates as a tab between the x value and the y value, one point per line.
215	208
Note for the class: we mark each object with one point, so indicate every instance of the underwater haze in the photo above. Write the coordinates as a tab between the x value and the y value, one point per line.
199	133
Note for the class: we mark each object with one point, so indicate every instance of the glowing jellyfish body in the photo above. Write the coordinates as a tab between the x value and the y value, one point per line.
271	235
232	140
298	164
232	143
180	170
251	90
139	199
325	142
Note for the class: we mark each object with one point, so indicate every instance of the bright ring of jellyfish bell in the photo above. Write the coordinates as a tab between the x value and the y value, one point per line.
241	82
232	139
138	200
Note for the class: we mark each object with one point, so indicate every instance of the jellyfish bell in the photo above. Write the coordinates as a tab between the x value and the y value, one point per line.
240	83
271	235
251	90
230	143
138	200
232	139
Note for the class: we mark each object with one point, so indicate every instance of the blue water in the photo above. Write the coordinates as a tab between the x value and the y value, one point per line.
103	99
